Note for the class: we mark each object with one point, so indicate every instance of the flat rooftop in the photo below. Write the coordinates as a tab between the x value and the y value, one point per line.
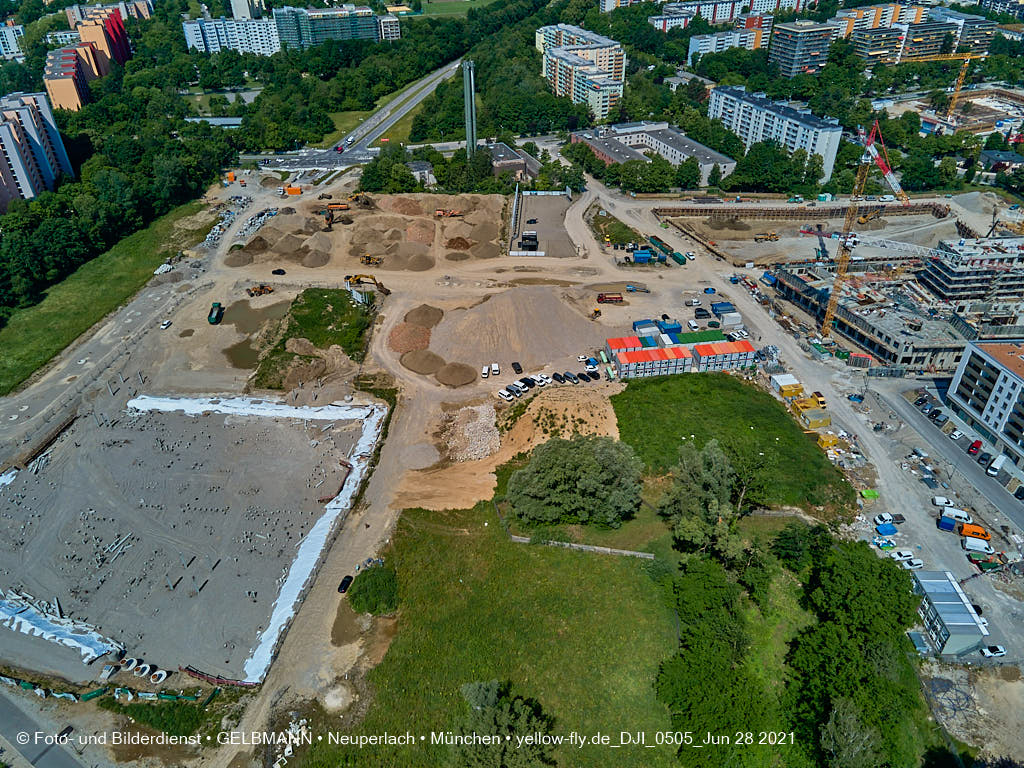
782	109
952	605
689	147
612	147
1007	353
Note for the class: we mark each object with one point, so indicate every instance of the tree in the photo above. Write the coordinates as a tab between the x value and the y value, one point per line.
492	710
846	741
919	171
586	479
702	483
798	544
374	590
714	176
688	174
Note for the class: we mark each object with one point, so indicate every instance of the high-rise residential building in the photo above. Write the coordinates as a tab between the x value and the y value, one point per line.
258	36
62	37
247	9
927	38
302	28
987	392
1011	7
800	47
973	33
33	157
67	72
715	11
877	46
10	42
388	27
754	117
586	67
104	28
989	268
849	20
750	38
129	9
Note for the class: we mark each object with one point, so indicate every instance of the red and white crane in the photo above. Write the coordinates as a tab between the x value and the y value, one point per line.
881	159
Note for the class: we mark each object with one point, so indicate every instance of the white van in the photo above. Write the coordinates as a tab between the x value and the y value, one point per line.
971	544
484	372
997	464
887	199
693	302
692	325
495	370
960	515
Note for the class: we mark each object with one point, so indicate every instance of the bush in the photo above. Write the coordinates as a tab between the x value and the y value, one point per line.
375	591
586	479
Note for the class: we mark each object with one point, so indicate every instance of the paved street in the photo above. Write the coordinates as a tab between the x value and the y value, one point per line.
13	721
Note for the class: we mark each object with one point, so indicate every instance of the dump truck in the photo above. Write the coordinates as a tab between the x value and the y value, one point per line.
260	290
216	313
763	237
610	298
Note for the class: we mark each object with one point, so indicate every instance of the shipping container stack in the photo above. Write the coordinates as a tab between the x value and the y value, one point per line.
656	351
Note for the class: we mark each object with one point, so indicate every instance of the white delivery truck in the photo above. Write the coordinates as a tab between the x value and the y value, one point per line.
996	465
971	544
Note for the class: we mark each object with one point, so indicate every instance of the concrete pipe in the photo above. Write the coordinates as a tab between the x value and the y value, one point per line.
130	664
158	677
143	670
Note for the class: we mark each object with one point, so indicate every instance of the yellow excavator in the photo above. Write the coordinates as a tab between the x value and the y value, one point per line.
869	216
371	261
353	280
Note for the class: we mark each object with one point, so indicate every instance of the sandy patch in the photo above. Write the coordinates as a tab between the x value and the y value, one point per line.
456	375
315	259
238	259
400	204
420	231
422	361
456	256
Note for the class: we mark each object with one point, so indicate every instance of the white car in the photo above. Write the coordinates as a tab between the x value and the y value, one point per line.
993	651
913	564
941	501
581	358
495	370
165	325
504	395
956	434
901	555
883	519
484	372
590	368
543	379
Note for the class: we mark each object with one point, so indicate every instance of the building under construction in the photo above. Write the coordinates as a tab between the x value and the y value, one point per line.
989	269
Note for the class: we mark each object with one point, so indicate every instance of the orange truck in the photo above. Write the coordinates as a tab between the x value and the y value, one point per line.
231	175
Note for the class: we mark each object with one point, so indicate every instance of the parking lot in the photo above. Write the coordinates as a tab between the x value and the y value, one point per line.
547	212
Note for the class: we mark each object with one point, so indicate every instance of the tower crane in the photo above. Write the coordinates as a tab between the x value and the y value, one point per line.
966	58
870	157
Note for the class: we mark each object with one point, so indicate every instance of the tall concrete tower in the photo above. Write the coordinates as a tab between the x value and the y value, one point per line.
469	97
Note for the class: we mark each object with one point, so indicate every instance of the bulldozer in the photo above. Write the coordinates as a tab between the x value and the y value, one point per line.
595	313
260	290
371	261
445	213
765	237
354	280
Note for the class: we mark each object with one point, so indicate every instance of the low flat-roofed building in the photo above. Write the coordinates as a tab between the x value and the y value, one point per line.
948	615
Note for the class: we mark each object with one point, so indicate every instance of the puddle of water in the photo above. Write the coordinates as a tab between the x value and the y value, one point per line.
248	320
186	333
345	629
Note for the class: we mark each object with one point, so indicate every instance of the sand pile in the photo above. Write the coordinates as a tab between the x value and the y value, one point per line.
285	211
319	242
424	315
456	374
257	245
287	245
459	243
407	337
238	258
419	263
295	222
420	231
271	182
315	259
399	204
422	361
271	234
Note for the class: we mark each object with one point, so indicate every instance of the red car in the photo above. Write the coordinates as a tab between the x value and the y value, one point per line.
975	447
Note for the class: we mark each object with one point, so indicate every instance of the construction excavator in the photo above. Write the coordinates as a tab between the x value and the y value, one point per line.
766	237
445	213
331	214
869	216
352	281
371	261
360	199
871	156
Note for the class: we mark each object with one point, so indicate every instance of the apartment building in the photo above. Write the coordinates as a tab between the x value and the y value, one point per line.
715	11
67	72
134	9
585	67
104	28
754	117
10	42
33	154
388	28
974	33
303	28
672	16
751	39
258	36
925	39
62	37
849	20
247	9
881	45
989	268
800	47
1011	7
987	392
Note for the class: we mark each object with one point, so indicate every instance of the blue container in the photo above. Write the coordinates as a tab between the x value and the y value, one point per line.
637	325
669	326
648	342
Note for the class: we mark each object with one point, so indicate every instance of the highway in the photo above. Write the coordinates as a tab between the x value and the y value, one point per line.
368	131
13	721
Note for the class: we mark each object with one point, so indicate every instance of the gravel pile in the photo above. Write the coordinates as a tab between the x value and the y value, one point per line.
472	433
409	337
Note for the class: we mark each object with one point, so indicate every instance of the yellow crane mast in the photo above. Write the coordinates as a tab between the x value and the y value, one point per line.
966	58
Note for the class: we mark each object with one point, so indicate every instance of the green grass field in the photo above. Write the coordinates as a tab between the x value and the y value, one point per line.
344	122
615	230
451	7
36	334
583	634
399	132
655	414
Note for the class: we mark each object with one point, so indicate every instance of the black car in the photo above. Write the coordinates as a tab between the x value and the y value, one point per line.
345	584
517	368
701	314
570	376
1019	493
583	376
531	221
664	317
526	382
933	415
277	272
985	459
561	380
921	401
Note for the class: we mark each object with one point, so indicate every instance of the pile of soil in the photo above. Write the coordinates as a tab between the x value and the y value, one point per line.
456	374
315	259
287	244
459	243
408	337
423	361
403	205
420	231
257	245
285	211
271	182
419	263
319	242
424	315
238	259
